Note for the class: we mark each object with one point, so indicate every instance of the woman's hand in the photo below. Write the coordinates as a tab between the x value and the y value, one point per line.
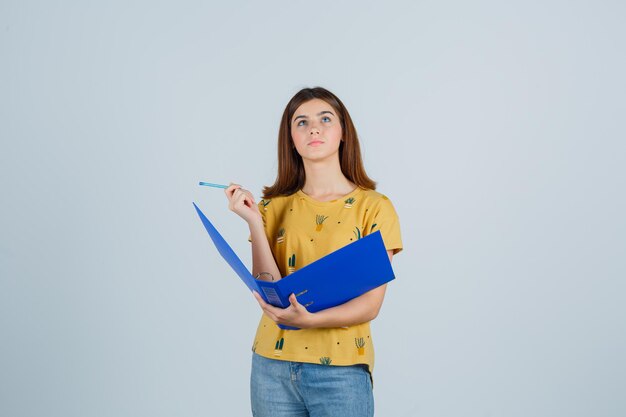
242	202
296	315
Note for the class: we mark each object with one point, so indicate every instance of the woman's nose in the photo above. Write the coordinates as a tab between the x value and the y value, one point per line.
314	128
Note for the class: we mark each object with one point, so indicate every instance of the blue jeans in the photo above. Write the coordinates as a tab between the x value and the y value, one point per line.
294	389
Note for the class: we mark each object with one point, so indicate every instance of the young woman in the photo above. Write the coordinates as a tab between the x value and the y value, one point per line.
322	200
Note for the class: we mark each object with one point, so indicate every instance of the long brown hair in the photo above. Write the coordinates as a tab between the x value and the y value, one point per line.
291	173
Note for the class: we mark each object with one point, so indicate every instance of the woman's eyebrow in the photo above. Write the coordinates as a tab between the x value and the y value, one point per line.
306	117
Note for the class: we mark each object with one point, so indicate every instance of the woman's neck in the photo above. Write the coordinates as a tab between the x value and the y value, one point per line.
325	179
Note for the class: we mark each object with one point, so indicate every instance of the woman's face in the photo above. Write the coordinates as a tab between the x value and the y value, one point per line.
316	130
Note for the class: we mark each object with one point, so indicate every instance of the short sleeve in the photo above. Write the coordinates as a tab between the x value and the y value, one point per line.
263	210
386	220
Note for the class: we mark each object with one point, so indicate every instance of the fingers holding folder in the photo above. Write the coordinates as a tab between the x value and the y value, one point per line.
295	315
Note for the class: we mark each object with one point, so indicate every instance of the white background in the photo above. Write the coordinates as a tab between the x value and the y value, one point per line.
496	129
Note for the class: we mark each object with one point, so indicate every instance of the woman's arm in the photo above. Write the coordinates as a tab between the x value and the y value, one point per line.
359	310
262	256
242	202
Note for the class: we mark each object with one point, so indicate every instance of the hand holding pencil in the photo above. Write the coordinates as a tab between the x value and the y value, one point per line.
240	200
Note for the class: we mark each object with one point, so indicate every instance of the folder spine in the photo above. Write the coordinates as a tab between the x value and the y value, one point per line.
274	296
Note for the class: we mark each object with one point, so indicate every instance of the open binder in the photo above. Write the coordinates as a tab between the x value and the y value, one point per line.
330	281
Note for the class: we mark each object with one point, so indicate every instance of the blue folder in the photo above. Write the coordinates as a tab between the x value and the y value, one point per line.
330	281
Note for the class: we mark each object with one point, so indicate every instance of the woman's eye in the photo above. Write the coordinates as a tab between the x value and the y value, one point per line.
301	121
326	117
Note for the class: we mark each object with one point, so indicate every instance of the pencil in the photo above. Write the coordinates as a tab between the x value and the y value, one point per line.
213	185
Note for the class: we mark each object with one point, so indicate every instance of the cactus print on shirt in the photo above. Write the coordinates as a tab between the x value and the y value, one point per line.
300	230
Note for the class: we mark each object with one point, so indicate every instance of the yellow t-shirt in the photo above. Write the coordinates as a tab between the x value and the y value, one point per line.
301	230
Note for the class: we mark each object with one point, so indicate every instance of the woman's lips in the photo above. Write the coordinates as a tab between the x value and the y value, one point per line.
315	143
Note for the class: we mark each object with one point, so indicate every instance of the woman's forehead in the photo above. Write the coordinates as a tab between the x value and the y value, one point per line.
312	108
